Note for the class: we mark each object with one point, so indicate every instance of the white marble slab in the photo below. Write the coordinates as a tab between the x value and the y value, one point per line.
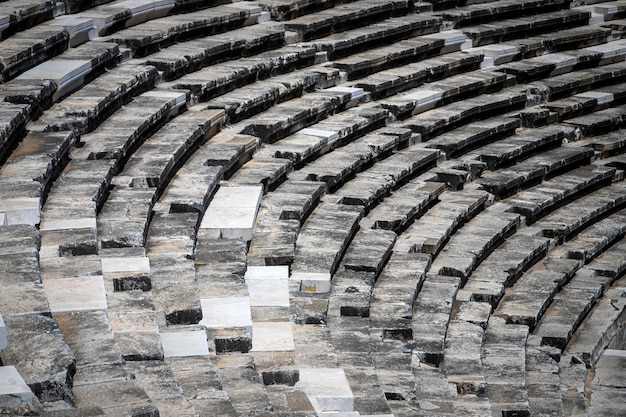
21	211
125	264
3	334
327	389
13	388
226	312
272	337
609	49
75	294
424	96
3	219
184	343
355	92
233	211
449	37
60	70
316	282
269	292
600	96
267	272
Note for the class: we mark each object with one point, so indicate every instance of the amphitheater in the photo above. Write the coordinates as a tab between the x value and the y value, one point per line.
312	208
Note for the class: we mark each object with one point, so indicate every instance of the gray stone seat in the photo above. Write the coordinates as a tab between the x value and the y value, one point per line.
462	361
186	57
223	77
281	10
504	367
429	233
344	17
436	121
30	47
339	45
577	40
504	265
22	15
609	144
507	181
14	119
145	38
566	221
537	201
506	29
473	242
610	263
597	123
391	81
393	295
451	89
89	106
485	12
607	384
325	236
29	171
520	145
431	316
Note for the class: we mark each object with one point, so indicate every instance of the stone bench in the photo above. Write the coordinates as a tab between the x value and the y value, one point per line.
431	316
520	145
600	122
566	221
24	15
520	27
609	144
344	17
221	78
13	128
445	118
506	181
429	233
588	42
339	45
404	205
504	367
286	10
145	38
535	203
610	263
29	171
473	242
88	107
392	298
325	236
190	56
388	82
462	357
607	383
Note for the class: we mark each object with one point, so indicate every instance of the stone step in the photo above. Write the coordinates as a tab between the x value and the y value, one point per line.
520	145
607	384
148	37
91	105
16	394
430	232
462	362
344	17
349	42
506	29
431	316
396	289
284	10
187	57
388	82
599	122
432	390
325	236
609	144
542	381
28	174
507	181
537	202
610	262
24	15
472	243
15	117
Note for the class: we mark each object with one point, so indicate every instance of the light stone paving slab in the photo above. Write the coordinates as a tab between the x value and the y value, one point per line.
269	292
80	28
21	211
184	343
267	272
125	264
316	282
13	386
70	224
272	337
68	74
327	388
3	334
75	294
233	211
226	312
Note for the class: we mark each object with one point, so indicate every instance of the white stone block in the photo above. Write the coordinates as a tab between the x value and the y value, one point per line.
600	96
559	59
68	224
75	294
272	337
68	74
354	91
13	387
267	272
327	389
331	137
449	37
317	282
226	312
3	334
233	211
184	343
424	96
80	28
487	62
609	49
269	292
125	264
3	219
21	211
179	98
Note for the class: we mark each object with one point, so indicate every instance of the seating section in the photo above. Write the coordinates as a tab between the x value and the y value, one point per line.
312	208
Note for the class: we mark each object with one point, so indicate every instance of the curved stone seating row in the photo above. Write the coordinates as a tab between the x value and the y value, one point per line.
15	117
286	10
148	37
23	15
345	16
